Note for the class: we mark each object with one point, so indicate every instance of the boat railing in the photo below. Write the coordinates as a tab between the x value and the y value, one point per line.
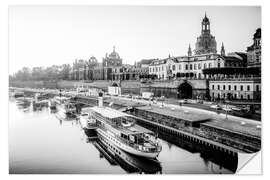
139	147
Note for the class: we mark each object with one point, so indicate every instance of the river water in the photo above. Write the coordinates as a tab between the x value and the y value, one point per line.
41	143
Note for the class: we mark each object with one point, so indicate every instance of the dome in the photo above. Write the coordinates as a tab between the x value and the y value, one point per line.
114	55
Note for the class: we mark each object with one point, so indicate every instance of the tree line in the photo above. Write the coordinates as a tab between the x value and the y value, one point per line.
55	72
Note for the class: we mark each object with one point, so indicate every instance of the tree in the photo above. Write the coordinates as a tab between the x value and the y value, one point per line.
64	72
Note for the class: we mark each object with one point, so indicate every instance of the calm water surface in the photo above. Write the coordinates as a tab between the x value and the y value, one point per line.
41	143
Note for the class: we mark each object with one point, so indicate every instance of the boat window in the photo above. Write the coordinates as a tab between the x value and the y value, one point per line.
132	138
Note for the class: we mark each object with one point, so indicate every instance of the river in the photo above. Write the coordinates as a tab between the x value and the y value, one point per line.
40	143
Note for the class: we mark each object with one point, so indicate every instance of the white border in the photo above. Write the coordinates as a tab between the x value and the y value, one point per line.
4	77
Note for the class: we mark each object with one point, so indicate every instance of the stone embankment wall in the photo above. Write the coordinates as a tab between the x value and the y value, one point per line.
242	142
128	87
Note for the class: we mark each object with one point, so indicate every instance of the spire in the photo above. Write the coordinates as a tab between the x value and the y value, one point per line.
205	15
222	51
113	48
189	51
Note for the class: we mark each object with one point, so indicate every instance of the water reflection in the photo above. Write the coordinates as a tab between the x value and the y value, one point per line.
57	144
128	162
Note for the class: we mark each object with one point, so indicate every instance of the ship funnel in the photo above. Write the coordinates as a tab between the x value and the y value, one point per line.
100	99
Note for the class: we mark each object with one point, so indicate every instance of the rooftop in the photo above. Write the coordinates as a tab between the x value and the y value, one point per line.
109	112
134	129
236	126
176	113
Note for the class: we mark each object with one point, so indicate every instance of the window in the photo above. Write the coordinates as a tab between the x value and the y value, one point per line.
248	97
199	66
162	68
199	75
258	56
190	66
213	87
179	66
173	67
195	66
229	87
186	67
235	88
248	88
218	65
204	66
257	88
209	65
218	87
224	87
241	88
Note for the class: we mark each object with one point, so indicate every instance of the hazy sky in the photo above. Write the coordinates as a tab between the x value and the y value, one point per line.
47	35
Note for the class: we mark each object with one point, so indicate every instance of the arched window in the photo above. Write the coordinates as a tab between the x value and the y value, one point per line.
218	65
218	87
190	66
186	67
209	65
199	66
224	87
195	66
199	75
204	66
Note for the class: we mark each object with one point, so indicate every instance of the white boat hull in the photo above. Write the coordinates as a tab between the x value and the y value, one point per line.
125	147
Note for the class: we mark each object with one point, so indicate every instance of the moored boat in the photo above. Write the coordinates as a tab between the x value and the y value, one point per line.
88	124
121	130
66	108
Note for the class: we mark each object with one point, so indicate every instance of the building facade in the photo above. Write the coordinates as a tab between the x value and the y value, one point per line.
206	56
235	89
109	62
254	51
240	84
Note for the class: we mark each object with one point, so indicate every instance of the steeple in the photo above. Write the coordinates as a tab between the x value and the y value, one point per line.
113	48
205	25
222	51
189	51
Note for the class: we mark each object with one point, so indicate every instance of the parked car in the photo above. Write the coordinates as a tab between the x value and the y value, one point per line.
183	101
216	106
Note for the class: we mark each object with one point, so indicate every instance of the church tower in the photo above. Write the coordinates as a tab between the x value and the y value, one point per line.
222	51
189	51
205	25
206	43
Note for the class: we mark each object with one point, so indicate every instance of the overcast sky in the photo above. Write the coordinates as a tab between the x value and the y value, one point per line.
47	35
